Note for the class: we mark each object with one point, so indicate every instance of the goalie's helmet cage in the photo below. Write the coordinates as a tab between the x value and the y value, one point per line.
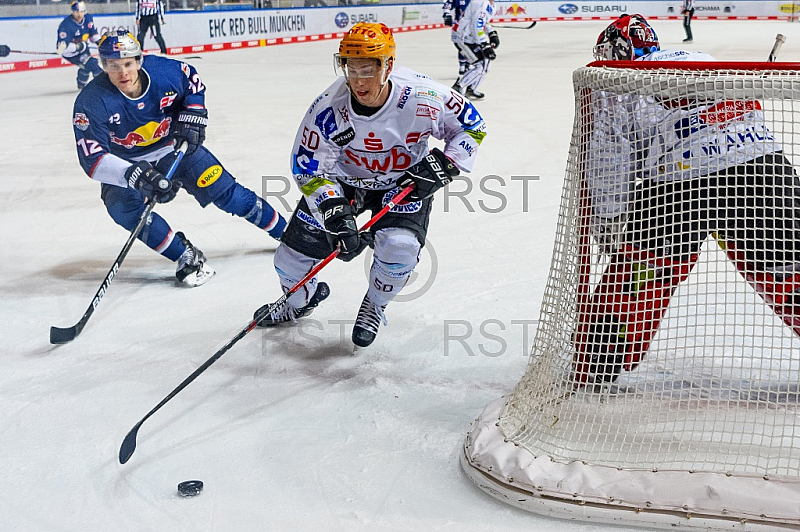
118	44
368	40
627	38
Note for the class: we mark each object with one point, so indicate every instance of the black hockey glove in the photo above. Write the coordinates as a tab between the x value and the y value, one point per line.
150	182
448	19
191	127
82	52
487	50
430	174
494	39
340	222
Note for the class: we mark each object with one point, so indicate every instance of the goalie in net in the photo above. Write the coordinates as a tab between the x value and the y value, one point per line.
662	177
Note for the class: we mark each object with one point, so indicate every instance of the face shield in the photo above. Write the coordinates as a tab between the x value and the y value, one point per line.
359	68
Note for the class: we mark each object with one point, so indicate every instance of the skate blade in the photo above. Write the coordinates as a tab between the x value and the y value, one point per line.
200	277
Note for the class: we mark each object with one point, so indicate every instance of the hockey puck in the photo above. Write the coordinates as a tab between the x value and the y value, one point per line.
190	488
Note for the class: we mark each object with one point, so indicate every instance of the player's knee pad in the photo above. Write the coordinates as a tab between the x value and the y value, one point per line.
242	201
291	266
396	255
475	74
124	205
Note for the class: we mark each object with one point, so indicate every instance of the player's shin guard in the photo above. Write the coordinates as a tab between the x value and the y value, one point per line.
291	266
241	201
778	287
616	325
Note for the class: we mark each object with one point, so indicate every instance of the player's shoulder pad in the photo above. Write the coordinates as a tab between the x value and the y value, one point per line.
337	91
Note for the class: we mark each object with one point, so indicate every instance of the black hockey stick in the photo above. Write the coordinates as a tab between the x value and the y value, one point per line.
5	50
773	55
516	27
129	443
59	335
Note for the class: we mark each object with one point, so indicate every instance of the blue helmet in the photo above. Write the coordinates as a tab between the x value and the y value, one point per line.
118	44
78	6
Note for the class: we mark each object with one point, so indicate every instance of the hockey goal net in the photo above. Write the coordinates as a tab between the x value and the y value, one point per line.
663	387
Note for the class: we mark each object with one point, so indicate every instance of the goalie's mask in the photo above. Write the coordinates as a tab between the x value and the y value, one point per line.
627	38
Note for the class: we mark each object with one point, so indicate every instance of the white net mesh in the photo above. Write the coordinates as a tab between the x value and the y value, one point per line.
669	335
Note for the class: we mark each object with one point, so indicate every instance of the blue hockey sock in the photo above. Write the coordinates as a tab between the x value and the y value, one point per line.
243	202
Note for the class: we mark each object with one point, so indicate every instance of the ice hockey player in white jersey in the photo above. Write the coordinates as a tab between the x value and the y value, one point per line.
663	176
363	140
476	42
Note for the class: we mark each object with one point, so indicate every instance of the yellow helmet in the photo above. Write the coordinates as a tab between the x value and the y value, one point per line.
368	40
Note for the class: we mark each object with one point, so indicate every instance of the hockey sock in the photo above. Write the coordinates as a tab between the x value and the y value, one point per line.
396	256
291	266
241	201
617	324
125	207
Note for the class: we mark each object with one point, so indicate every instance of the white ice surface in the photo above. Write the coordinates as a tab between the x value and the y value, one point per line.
287	430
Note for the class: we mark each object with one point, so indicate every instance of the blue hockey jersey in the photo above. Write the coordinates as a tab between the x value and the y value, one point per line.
69	32
111	129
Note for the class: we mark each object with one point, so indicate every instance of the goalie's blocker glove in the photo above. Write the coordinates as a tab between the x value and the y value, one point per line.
340	222
430	174
150	182
191	127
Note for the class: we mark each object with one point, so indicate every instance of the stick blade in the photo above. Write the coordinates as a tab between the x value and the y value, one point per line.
60	335
128	445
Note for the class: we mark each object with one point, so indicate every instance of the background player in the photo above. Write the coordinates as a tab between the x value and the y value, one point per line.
148	13
663	176
127	123
75	33
362	140
476	42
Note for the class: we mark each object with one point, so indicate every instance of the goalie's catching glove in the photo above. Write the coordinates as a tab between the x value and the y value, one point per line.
340	222
191	127
430	174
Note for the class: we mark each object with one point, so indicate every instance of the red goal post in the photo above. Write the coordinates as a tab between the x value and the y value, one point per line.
663	387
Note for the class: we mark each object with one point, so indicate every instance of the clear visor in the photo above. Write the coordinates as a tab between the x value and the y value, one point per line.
357	68
121	64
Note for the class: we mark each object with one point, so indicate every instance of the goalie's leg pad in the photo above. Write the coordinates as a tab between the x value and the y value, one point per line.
125	206
616	326
779	289
396	256
241	201
291	266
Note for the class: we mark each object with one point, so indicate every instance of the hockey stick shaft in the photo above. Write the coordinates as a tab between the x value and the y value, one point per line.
5	50
779	40
516	27
128	446
59	335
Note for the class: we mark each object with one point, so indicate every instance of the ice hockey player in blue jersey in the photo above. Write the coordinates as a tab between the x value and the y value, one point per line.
127	124
75	33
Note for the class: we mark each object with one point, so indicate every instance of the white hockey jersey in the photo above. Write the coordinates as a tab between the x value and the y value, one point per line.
334	144
636	137
474	24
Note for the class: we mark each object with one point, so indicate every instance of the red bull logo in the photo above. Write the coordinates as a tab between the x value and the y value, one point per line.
515	10
81	121
145	135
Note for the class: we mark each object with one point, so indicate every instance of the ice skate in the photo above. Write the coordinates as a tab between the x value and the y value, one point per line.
688	41
473	94
369	319
457	86
192	268
288	313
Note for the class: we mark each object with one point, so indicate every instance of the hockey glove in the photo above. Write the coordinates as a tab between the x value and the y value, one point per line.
448	19
191	127
487	50
494	39
340	222
150	182
82	52
430	174
607	232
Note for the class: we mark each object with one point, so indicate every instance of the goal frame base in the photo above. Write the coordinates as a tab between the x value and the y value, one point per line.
545	486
